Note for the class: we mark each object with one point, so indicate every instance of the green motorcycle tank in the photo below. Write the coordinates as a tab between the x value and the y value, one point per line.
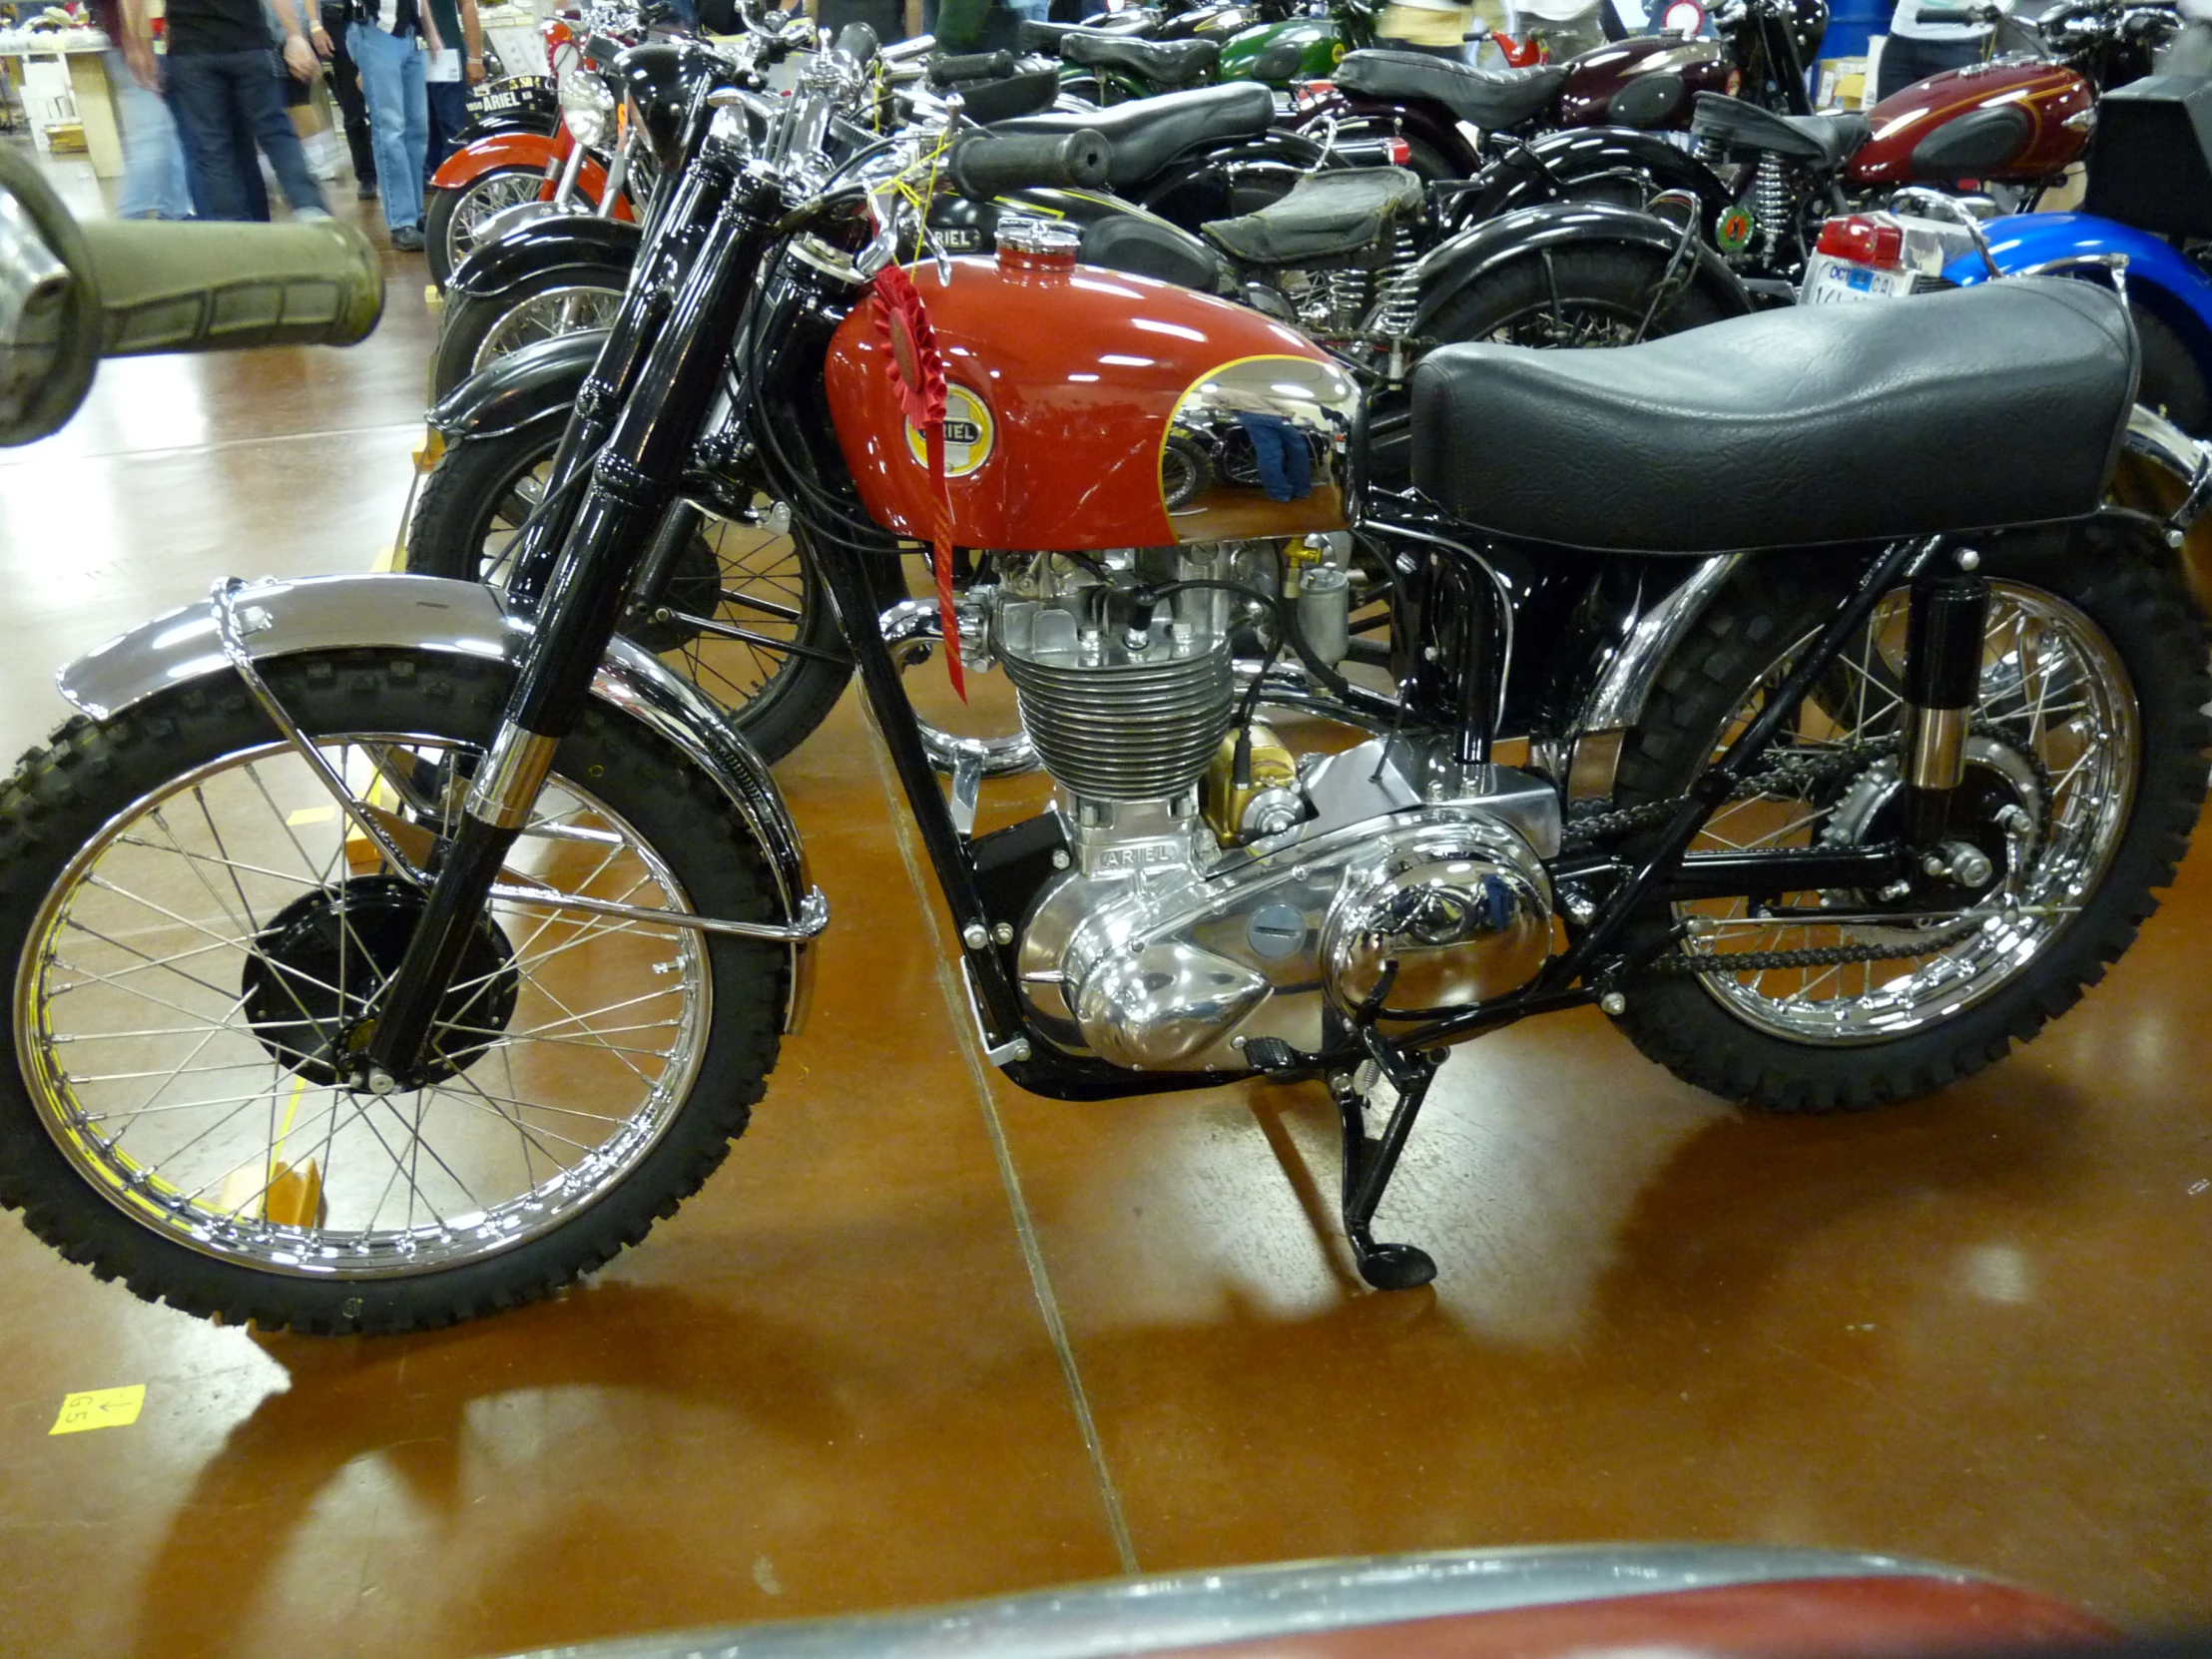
1301	49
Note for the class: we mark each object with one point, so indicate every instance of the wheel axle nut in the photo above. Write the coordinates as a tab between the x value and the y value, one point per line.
1613	1004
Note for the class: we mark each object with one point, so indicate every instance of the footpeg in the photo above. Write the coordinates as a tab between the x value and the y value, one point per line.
1273	1055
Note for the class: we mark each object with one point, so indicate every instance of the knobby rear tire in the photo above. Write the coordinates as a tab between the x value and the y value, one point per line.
63	794
2134	594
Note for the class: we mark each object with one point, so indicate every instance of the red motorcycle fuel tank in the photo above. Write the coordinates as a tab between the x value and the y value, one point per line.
1090	409
2013	120
1648	80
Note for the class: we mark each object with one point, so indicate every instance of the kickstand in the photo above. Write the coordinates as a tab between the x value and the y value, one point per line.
1369	1163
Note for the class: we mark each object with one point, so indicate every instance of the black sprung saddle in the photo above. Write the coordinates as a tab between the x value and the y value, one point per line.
1484	98
1825	141
1326	216
1149	132
1994	405
1159	63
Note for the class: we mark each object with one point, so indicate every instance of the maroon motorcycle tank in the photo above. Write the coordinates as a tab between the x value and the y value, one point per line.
2011	120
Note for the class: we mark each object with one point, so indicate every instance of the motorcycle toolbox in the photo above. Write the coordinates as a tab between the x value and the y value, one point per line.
2151	165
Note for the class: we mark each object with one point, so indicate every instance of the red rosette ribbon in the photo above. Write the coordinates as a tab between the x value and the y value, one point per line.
917	375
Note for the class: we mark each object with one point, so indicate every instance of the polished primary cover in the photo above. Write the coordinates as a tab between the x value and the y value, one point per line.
1087	409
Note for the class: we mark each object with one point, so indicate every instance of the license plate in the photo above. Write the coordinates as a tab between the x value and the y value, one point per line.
1829	280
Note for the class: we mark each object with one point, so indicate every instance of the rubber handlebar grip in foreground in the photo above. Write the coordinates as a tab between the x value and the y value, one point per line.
973	66
227	287
986	165
859	42
1952	14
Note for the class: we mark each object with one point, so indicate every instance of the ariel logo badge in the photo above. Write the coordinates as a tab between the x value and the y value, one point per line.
1734	232
967	435
1336	53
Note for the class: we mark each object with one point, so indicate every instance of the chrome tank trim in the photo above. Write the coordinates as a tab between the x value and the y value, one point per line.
436	614
1295	402
1617	703
1172	1612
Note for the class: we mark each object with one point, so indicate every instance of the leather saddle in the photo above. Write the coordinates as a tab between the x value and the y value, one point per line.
1160	63
1827	141
1484	98
1826	424
1325	216
1148	133
1035	35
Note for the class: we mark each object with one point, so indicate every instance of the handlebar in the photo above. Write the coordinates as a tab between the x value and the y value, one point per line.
859	42
1970	15
135	287
220	288
975	65
983	164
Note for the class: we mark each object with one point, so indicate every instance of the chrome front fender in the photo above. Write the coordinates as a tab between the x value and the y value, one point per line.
464	619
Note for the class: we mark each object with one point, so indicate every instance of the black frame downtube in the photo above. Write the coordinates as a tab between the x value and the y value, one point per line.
633	479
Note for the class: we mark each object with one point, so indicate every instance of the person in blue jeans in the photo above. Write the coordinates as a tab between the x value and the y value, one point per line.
220	79
388	41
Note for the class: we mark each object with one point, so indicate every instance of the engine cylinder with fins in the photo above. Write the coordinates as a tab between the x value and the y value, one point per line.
1120	725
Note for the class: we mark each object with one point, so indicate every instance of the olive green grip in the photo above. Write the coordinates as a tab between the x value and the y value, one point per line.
223	288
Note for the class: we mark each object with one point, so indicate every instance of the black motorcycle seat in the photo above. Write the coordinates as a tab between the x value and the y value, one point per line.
1827	139
1162	63
1034	34
1485	98
1148	133
1025	92
1835	424
1326	216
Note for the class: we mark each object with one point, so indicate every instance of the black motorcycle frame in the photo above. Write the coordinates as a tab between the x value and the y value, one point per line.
713	365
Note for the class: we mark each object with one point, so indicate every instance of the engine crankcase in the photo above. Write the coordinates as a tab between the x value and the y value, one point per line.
1162	965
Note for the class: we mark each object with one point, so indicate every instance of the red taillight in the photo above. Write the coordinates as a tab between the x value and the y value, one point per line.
1398	151
1863	240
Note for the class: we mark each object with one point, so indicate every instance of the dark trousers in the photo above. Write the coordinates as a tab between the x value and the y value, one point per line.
1904	60
448	102
346	85
227	103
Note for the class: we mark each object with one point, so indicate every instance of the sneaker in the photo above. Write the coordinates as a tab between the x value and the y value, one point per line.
367	192
407	239
309	214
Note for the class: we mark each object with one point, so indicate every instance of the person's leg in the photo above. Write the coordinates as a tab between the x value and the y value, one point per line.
448	115
199	101
380	60
262	106
416	104
241	72
345	87
153	166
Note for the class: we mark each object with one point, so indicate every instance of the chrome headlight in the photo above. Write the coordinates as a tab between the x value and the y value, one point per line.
588	106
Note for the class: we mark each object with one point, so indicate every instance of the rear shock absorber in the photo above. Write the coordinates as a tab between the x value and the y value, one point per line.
1769	202
1950	607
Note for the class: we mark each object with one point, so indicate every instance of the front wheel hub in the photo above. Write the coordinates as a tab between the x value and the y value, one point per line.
310	985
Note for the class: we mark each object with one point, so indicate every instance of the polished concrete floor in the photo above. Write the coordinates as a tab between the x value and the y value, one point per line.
924	1336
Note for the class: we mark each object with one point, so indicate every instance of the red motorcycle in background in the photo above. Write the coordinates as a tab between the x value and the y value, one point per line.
558	144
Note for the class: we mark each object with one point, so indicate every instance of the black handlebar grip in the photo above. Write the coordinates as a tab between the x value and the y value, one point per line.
1949	14
945	71
222	287
986	165
858	41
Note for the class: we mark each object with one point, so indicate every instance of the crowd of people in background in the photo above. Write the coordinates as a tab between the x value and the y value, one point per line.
199	116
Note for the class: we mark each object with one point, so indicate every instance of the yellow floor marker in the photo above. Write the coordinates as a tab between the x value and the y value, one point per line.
100	1409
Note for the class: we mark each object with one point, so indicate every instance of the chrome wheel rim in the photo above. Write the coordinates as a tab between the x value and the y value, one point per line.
145	1067
484	198
2056	733
562	310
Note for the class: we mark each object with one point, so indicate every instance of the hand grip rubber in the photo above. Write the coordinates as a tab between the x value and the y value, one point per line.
973	66
984	164
859	42
222	287
1953	14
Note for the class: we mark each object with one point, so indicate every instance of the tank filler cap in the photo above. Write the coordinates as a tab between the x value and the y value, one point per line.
1026	243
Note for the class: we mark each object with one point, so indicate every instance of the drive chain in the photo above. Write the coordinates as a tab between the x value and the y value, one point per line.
1794	772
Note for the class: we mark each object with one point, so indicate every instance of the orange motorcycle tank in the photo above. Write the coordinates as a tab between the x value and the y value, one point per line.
1090	409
